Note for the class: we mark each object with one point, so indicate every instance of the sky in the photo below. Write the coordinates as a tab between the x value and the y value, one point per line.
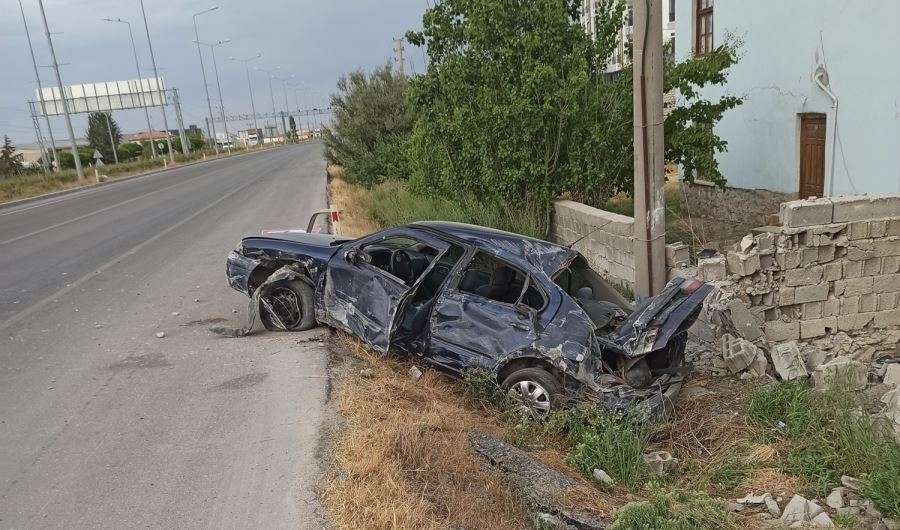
315	41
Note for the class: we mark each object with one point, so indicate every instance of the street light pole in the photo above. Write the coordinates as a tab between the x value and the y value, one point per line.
156	75
212	122
250	87
137	66
62	94
37	77
272	94
287	106
212	50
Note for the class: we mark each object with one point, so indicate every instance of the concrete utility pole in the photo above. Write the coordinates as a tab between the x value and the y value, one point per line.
156	75
398	56
250	87
185	143
272	94
649	165
62	94
212	51
37	77
203	71
112	140
140	85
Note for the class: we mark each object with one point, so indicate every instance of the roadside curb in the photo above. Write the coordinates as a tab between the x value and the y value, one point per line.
20	202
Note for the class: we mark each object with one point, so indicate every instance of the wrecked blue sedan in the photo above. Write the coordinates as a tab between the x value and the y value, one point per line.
532	313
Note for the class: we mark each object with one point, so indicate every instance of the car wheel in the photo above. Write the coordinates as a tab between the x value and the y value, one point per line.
287	306
534	391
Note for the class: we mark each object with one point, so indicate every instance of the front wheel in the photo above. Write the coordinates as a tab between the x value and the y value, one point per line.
287	306
533	391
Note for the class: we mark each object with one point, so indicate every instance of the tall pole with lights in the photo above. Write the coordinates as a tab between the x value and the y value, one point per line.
212	122
250	87
156	76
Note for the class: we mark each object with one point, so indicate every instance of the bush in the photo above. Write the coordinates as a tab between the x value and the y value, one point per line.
677	510
67	161
129	151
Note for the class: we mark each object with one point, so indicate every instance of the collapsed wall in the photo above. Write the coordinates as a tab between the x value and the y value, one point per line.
828	276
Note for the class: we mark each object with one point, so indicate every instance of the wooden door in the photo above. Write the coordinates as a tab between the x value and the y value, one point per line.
812	155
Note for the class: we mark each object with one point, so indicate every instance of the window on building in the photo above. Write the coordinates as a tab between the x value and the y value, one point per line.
671	10
704	28
630	14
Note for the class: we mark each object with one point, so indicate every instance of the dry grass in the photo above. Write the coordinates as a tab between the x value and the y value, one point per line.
405	454
351	201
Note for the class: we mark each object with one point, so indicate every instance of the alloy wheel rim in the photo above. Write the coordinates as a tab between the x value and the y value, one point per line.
532	398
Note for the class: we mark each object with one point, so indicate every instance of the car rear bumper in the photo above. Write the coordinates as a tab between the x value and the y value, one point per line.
238	269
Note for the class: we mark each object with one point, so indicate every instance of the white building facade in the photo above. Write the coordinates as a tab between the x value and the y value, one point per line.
619	59
821	88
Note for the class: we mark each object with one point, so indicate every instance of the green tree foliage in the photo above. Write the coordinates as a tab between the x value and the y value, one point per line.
10	162
372	123
130	150
98	135
292	126
67	161
515	105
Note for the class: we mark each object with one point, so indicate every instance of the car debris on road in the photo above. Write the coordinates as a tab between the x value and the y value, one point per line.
532	313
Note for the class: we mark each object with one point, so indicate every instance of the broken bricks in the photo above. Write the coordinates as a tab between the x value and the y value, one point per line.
787	361
842	373
740	354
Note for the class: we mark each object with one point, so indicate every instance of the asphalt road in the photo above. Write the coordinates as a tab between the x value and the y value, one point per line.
104	425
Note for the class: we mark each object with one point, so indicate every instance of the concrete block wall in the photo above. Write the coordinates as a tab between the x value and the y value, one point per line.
606	240
832	268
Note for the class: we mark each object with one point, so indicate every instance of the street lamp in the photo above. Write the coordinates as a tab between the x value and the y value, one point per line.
156	75
287	106
212	122
212	50
37	76
137	66
250	86
272	93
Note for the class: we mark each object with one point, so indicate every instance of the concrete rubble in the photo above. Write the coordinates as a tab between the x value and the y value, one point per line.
842	373
660	463
787	361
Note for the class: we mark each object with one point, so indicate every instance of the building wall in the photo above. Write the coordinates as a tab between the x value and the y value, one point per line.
781	45
619	59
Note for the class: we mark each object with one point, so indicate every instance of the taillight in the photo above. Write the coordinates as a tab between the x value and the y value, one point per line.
691	286
334	216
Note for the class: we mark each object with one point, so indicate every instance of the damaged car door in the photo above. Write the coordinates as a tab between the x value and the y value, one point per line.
491	309
368	280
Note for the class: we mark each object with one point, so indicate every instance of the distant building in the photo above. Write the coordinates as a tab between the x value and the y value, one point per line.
619	59
145	135
820	113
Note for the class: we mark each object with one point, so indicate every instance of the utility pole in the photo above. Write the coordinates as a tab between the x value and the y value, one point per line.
156	75
272	94
62	94
185	144
203	71
45	162
398	56
112	140
37	77
140	84
649	164
250	87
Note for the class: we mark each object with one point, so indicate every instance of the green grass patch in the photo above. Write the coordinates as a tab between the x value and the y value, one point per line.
391	204
676	510
829	435
730	474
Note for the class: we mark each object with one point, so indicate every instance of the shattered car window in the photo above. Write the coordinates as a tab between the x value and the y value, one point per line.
402	257
488	277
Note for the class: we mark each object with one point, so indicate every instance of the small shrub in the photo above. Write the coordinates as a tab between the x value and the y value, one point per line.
482	389
730	474
677	510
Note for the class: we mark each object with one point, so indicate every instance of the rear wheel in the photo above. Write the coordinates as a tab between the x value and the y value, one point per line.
534	391
287	306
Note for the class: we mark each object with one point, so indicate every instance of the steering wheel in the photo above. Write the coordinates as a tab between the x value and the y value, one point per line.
401	266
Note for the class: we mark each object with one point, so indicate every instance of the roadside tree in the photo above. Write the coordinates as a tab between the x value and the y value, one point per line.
10	163
98	134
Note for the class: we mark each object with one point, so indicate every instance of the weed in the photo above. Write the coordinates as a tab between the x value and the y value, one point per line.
481	388
845	521
676	510
730	474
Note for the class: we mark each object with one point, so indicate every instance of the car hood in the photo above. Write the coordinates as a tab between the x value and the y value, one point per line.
319	240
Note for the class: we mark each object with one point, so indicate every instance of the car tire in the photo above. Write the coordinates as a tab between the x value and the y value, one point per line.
293	304
534	391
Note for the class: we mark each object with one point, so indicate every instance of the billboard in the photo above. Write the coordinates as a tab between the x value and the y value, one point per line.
113	95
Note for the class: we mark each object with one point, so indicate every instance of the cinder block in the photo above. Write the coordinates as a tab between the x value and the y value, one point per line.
812	310
872	267
858	230
887	247
811	293
854	286
712	269
807	276
886	301
808	256
817	328
833	271
867	303
791	259
852	269
864	208
746	325
893	228
831	307
742	264
826	253
855	322
780	331
884	319
849	305
878	228
886	282
806	213
890	265
786	296
858	254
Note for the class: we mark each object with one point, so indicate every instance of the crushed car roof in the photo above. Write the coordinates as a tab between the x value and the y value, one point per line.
516	248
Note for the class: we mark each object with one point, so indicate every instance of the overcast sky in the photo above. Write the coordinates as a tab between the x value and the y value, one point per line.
316	41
